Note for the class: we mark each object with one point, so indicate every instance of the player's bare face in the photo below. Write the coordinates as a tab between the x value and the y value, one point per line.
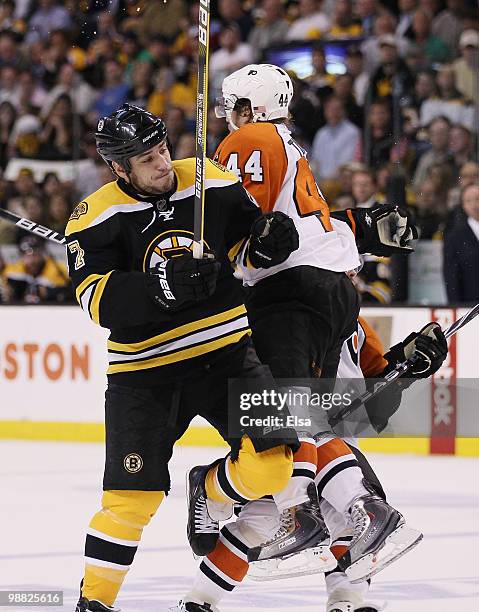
152	171
240	118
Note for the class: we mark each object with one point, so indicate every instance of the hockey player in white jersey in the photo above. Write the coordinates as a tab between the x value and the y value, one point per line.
300	314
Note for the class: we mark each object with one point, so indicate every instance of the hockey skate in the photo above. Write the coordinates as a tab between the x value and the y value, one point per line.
203	514
193	606
93	605
301	527
347	606
380	537
347	600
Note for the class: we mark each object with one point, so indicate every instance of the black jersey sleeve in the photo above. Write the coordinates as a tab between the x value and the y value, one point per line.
111	294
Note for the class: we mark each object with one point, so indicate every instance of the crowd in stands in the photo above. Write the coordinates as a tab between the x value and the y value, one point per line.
404	105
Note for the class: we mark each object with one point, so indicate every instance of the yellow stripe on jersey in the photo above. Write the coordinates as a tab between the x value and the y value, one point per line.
97	204
233	252
97	294
188	353
194	326
91	278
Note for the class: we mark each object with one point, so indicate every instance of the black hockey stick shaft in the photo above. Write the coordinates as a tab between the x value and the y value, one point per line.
34	228
399	370
201	120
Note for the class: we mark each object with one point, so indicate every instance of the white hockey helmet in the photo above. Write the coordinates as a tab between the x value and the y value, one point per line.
267	87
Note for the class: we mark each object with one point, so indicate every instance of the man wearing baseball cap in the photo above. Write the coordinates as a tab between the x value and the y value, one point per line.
466	66
36	277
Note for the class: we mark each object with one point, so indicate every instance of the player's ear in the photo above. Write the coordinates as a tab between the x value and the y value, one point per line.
119	170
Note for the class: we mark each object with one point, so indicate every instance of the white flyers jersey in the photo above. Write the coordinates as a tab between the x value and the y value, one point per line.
361	356
275	171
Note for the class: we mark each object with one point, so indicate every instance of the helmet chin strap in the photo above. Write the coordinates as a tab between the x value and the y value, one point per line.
233	127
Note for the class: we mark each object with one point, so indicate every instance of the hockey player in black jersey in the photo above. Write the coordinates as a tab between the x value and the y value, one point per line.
178	331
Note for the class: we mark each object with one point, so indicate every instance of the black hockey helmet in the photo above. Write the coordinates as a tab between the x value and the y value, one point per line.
128	131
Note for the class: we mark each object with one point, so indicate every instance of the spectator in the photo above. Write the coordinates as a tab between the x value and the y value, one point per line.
36	278
364	188
343	89
272	28
384	25
217	130
380	140
448	24
8	115
461	252
186	146
9	50
175	121
465	67
25	135
115	90
48	16
448	102
468	175
57	137
232	11
343	23
439	132
392	75
8	21
429	212
9	87
461	146
70	82
433	48
312	23
406	14
355	67
367	11
59	210
373	280
32	93
231	55
51	185
305	111
336	142
424	89
157	17
320	80
23	186
142	87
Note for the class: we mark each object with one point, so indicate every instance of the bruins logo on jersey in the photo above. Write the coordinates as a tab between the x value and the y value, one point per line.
79	210
168	244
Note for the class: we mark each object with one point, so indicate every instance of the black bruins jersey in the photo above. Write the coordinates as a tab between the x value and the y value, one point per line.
115	236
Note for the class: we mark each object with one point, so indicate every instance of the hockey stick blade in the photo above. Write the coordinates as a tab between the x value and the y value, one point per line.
34	228
399	370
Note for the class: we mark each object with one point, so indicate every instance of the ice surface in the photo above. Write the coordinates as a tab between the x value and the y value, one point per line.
49	492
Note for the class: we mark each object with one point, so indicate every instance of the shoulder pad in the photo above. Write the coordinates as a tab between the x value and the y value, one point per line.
100	206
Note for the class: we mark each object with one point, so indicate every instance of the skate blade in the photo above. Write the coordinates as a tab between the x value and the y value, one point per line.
315	560
397	544
195	556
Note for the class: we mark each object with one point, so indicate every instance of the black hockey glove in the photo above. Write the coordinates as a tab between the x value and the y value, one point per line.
273	238
182	280
429	345
384	229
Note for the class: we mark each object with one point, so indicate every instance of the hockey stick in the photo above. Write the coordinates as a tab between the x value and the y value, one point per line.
32	227
399	370
201	120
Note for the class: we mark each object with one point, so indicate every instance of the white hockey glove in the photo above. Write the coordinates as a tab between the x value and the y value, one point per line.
384	229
